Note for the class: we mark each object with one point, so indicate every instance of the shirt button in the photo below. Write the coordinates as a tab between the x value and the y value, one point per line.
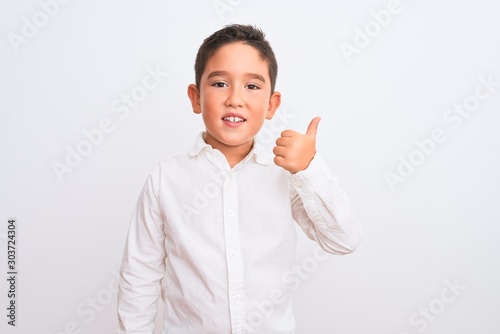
236	296
232	255
230	213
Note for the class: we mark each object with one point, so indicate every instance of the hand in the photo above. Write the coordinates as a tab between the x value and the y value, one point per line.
294	151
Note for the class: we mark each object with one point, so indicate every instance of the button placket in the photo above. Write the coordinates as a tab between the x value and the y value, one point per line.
233	254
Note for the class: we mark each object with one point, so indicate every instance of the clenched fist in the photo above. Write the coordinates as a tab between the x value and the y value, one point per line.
294	151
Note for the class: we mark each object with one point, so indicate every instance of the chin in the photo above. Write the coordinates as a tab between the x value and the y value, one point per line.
239	141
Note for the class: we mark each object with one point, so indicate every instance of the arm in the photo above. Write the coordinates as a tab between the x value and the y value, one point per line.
323	211
319	205
143	263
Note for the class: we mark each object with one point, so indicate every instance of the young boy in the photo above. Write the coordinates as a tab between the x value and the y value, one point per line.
217	223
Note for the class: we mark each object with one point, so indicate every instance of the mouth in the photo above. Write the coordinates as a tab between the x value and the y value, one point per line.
233	119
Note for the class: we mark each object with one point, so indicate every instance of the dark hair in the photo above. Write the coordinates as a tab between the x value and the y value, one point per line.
246	34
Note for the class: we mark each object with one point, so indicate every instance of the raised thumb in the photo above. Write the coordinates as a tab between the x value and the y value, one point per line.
312	129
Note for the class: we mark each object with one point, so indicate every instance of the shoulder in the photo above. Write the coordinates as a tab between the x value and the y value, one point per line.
171	164
164	173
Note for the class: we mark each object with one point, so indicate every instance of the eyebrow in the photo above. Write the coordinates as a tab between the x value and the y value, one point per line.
222	73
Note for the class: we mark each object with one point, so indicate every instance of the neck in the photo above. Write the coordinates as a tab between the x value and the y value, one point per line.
233	154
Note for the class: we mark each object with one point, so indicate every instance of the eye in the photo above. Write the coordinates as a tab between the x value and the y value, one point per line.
219	84
252	87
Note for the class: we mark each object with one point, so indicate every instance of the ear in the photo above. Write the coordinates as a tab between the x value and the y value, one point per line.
194	96
274	103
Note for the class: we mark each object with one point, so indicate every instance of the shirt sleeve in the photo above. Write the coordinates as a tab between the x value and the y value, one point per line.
143	263
322	209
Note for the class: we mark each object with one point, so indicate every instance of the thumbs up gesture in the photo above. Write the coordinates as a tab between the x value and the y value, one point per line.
294	151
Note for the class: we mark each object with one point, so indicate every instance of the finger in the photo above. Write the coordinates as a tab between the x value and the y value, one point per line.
283	141
312	129
279	151
288	133
279	161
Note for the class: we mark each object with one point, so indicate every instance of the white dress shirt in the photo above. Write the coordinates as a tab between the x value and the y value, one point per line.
217	243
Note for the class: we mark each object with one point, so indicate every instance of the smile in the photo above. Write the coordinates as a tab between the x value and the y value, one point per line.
233	119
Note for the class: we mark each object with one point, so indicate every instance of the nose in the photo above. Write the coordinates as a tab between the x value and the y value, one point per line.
234	98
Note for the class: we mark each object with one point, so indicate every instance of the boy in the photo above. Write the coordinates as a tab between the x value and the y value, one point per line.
217	223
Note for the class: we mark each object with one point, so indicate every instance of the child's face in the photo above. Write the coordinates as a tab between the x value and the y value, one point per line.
234	96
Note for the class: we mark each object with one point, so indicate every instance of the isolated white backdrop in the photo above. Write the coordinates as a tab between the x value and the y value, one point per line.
437	225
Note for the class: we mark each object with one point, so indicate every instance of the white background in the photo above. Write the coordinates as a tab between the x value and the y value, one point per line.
439	225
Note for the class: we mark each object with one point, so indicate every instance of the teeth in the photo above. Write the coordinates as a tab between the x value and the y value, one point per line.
233	119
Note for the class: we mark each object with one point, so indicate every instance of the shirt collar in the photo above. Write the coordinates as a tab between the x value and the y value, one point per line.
262	156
